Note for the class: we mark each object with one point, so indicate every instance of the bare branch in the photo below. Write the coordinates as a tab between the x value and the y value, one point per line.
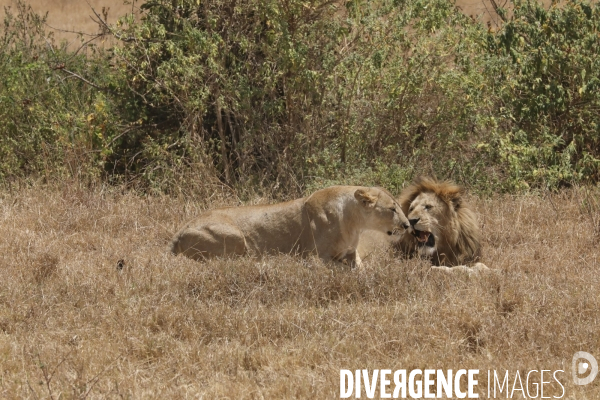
69	31
496	8
81	78
85	43
104	24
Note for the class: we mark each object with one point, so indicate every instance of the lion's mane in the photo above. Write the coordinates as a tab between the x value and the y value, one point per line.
459	235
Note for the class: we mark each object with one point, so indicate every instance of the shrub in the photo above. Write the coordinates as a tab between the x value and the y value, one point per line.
288	96
52	122
300	93
545	66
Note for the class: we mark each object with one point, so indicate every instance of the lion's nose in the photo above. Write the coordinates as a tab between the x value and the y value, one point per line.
405	225
414	221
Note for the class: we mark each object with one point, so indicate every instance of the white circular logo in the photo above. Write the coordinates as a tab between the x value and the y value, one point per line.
580	367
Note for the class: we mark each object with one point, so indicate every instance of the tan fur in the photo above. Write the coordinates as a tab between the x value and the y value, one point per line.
438	208
327	223
474	270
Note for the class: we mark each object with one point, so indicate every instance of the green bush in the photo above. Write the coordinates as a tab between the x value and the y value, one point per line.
288	96
545	65
295	94
52	123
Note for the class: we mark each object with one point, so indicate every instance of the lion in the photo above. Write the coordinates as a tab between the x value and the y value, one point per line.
442	227
328	223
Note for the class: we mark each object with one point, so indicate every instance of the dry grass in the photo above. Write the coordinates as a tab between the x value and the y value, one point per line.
75	322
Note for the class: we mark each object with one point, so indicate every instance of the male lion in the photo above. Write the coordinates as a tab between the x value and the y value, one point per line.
442	228
328	222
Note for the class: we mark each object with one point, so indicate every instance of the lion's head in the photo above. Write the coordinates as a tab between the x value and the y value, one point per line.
382	210
442	227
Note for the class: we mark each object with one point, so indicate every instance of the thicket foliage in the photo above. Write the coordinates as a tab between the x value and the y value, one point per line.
548	65
300	93
51	122
292	95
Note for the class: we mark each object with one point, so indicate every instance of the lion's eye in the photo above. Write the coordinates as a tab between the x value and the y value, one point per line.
428	207
393	210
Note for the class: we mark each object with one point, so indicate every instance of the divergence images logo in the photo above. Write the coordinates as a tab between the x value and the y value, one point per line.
580	367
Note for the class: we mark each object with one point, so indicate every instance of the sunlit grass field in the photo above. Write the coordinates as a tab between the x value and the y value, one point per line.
93	306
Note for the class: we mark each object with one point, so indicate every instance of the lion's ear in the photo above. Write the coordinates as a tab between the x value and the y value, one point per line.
457	202
365	198
455	198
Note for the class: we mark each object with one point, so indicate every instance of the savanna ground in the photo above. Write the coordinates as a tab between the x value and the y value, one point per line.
75	322
93	306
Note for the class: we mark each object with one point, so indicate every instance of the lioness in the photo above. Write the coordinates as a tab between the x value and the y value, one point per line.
327	222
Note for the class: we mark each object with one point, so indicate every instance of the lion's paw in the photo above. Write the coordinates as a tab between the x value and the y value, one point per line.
476	269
